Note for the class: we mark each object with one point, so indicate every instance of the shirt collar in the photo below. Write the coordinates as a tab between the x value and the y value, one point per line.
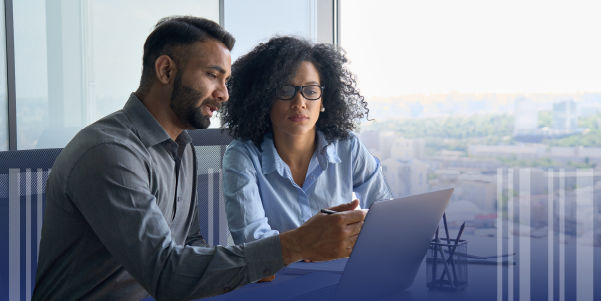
270	157
325	152
148	128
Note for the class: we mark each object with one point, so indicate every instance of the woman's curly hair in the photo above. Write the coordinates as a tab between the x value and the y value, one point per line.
256	75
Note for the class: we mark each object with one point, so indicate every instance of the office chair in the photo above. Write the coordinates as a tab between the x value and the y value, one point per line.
23	176
210	146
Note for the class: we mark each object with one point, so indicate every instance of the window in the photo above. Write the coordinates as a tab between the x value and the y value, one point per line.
77	61
459	89
252	22
3	85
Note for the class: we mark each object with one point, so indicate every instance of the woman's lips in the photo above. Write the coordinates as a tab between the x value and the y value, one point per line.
298	118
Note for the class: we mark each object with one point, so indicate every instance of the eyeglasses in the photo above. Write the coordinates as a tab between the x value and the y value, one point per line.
288	92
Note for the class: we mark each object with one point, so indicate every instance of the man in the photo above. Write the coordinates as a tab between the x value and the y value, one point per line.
121	220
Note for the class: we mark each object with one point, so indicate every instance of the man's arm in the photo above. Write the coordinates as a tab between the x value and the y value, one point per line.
110	187
195	238
116	201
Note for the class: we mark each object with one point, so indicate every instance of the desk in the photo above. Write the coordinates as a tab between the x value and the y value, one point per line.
482	279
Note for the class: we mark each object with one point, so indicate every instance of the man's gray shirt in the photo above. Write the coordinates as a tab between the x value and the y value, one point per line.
121	220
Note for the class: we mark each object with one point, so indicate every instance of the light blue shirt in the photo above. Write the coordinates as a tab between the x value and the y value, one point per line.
262	198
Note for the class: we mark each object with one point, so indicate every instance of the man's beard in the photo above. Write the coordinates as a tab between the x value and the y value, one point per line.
183	103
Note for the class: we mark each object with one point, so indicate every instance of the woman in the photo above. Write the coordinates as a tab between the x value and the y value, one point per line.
292	107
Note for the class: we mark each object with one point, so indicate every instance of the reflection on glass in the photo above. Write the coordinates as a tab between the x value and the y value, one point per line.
77	61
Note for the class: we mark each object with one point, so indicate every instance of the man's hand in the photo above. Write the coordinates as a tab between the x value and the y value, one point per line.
324	237
267	279
344	207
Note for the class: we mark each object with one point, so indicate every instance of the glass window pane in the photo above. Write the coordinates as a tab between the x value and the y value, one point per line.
252	22
3	83
77	61
457	91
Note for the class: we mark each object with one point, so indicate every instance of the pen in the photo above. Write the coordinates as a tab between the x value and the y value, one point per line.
327	211
435	252
452	251
446	228
459	235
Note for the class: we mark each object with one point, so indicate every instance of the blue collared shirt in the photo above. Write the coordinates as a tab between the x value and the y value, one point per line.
262	198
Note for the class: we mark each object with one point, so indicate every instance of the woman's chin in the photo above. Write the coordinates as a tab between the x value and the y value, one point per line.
297	131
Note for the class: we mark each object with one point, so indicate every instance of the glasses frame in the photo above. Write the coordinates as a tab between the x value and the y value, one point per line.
301	89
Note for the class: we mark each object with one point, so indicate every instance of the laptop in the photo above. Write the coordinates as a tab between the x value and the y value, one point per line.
388	252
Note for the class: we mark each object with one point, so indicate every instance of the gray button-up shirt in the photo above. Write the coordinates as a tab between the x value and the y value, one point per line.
121	220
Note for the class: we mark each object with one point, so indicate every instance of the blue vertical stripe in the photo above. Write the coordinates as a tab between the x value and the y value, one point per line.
585	239
14	231
524	224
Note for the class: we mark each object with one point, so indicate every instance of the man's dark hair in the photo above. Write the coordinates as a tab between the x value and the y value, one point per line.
172	32
256	75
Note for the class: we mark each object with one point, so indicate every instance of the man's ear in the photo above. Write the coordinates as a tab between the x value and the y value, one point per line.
165	69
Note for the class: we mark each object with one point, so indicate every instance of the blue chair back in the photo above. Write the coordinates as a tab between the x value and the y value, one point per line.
23	176
210	146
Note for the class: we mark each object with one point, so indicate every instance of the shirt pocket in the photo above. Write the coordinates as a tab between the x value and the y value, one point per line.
329	194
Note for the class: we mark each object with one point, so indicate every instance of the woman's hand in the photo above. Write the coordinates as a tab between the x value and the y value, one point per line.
346	206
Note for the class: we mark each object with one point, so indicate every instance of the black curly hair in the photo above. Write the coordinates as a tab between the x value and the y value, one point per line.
256	75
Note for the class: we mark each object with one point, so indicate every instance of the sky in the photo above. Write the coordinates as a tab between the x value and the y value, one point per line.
400	47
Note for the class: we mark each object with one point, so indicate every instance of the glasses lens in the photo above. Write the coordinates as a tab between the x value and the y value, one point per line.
312	92
286	92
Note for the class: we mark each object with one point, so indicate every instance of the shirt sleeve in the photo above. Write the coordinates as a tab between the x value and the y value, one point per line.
368	179
243	205
195	238
115	199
